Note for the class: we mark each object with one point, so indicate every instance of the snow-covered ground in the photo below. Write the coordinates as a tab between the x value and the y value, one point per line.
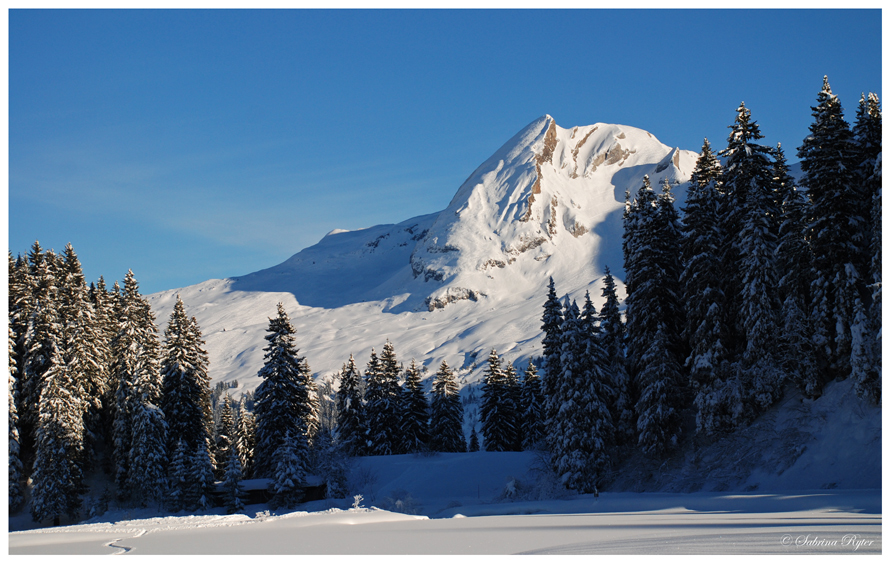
656	523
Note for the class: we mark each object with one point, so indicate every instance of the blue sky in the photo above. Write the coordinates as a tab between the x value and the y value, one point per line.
189	145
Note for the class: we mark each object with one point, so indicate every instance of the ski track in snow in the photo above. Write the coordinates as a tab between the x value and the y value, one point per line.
124	549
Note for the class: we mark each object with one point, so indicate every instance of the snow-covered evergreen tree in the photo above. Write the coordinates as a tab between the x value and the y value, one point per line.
285	401
42	340
352	428
446	413
611	338
759	360
752	217
383	402
186	383
290	468
331	463
200	478
654	315
21	305
658	409
224	437
701	282
794	266
148	457
233	491
177	477
584	429
497	411
532	409
551	325
84	347
246	438
643	273
16	497
866	330
589	317
514	397
136	374
57	480
415	412
835	231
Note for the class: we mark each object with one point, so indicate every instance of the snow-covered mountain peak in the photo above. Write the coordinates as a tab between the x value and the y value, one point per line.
548	191
450	285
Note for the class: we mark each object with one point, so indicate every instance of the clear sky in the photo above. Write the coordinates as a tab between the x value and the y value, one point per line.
189	145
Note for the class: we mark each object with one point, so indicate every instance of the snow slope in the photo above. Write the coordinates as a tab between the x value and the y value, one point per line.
455	284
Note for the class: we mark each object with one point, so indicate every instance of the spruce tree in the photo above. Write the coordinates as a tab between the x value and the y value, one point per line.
83	346
415	412
759	306
497	412
643	273
285	400
43	338
383	396
21	304
57	478
148	457
866	334
653	314
352	429
589	317
584	429
513	390
794	266
551	325
752	215
16	498
246	438
658	409
835	230
701	279
532	410
225	437
177	477
611	339
186	390
200	478
233	492
136	373
106	329
290	468
446	413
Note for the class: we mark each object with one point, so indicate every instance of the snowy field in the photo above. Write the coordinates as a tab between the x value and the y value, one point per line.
482	503
833	522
